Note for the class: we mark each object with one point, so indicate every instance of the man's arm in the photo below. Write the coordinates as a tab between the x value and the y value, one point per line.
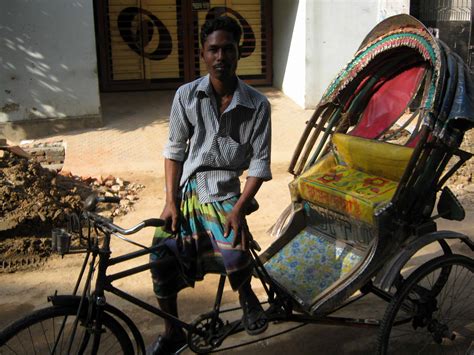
179	132
170	214
236	218
259	171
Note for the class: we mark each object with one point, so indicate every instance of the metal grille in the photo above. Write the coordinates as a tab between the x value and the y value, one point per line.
445	10
450	20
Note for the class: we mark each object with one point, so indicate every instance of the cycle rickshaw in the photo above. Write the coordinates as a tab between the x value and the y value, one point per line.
369	170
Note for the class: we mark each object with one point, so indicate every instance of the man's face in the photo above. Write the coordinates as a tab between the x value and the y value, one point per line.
220	53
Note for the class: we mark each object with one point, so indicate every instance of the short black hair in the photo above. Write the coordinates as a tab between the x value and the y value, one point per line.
224	23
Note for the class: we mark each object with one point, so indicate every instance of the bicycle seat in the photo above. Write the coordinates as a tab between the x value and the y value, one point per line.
252	206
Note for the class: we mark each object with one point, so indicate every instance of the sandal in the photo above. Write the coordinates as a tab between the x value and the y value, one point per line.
254	318
165	346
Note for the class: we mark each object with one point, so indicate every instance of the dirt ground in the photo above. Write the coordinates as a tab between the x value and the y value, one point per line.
24	291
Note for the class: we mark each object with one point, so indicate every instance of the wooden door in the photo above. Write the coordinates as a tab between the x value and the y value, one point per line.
154	44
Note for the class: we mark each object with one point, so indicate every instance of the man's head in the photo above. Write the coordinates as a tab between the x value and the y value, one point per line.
220	39
224	23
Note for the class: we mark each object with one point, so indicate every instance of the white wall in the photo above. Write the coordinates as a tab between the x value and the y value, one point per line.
326	33
48	65
289	56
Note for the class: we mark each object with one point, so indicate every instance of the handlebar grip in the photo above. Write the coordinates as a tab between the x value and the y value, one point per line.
92	200
154	222
109	199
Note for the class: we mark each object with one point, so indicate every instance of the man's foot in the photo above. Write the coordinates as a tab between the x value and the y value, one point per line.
165	346
254	319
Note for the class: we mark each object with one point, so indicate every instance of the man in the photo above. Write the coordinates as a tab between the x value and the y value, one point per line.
219	127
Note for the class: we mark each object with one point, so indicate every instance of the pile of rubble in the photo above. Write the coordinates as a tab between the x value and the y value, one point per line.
34	199
50	155
110	186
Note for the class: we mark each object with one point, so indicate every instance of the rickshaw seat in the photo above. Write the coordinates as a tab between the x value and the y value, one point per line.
356	177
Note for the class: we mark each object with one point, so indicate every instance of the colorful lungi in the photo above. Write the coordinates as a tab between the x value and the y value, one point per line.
199	248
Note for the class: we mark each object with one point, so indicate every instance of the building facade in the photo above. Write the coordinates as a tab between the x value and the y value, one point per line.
57	56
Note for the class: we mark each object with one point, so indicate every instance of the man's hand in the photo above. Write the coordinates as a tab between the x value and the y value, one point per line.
170	215
236	218
236	222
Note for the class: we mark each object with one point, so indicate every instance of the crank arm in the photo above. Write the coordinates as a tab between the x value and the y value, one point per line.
217	341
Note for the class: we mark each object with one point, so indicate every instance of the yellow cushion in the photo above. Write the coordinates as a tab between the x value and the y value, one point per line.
324	164
347	190
356	177
372	157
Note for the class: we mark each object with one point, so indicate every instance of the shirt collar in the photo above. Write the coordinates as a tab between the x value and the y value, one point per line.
241	95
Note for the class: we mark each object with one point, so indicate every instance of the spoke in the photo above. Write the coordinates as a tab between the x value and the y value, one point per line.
61	336
109	348
450	289
11	349
54	332
21	343
46	338
446	286
31	339
107	337
455	302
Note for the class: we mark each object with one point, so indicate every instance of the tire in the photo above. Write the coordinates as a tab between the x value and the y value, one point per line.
432	313
35	334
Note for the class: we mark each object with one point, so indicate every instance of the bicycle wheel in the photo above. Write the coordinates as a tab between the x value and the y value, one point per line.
40	333
432	317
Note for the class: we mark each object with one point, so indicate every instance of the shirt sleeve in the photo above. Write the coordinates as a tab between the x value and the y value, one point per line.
179	130
261	144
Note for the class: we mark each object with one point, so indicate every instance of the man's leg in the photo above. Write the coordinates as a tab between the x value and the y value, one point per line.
167	282
170	305
254	318
174	337
237	263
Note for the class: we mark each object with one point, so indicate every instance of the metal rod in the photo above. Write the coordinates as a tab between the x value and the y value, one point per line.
81	273
132	255
352	322
130	241
148	307
135	270
128	272
220	290
79	308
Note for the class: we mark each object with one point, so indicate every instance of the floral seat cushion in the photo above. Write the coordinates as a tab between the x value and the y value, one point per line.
311	263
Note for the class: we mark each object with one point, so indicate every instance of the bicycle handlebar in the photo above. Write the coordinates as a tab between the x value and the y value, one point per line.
105	222
91	203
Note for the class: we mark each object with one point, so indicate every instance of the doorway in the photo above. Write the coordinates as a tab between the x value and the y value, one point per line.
154	44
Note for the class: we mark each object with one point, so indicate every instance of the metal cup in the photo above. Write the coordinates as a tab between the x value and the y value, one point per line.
63	241
54	238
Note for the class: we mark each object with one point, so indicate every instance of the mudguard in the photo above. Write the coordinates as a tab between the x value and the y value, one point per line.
390	272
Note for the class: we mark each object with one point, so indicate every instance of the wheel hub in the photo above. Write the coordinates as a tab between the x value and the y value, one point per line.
205	333
439	331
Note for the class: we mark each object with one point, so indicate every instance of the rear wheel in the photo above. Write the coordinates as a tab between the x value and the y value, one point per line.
433	312
40	333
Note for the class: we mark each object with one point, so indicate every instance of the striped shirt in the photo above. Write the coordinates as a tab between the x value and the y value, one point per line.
218	149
